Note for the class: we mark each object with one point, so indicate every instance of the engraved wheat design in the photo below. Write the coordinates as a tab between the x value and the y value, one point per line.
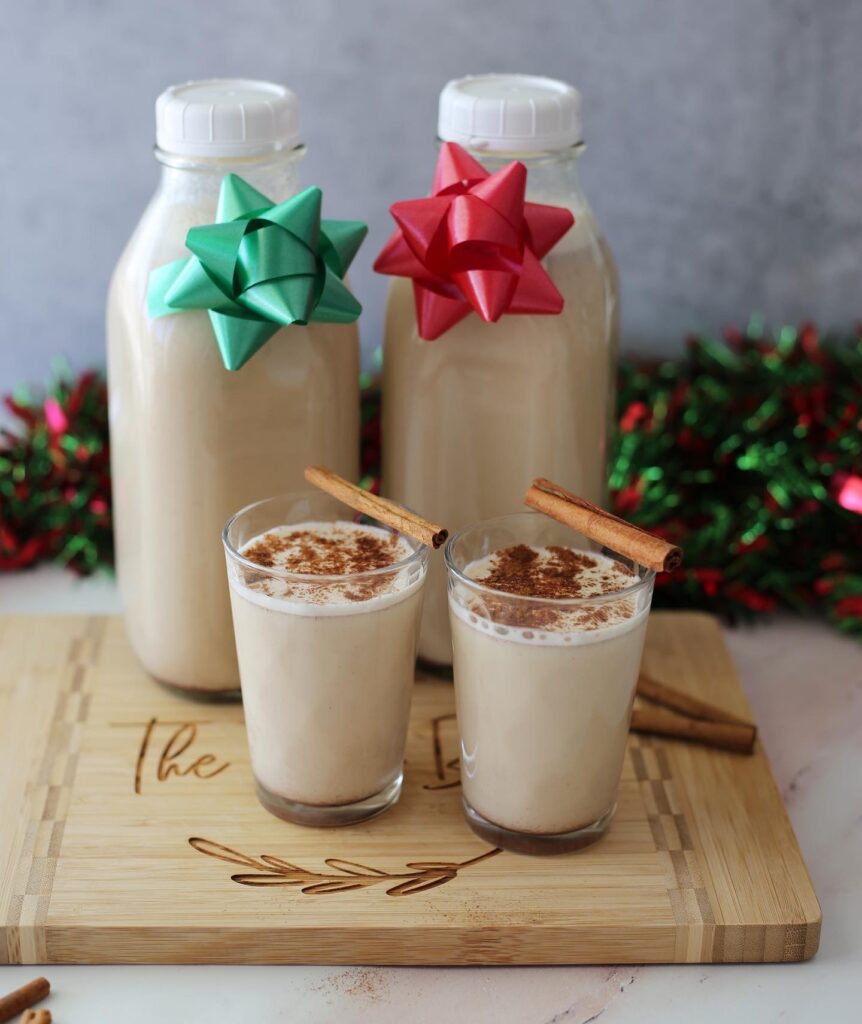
343	876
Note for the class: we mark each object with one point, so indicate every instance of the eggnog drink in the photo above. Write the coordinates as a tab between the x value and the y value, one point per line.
547	646
326	617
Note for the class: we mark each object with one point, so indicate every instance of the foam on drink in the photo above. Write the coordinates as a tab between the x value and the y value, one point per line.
326	549
555	573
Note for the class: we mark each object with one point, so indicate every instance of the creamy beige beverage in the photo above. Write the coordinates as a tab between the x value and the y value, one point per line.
547	652
471	417
191	442
326	631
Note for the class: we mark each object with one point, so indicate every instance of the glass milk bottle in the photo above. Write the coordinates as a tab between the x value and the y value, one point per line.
470	418
192	442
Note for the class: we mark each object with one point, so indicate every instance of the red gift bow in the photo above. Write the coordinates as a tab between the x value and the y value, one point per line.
474	244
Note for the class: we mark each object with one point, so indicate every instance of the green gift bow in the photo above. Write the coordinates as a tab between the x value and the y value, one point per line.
260	267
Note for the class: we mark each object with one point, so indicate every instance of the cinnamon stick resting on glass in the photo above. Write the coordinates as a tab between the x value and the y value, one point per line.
382	509
602	527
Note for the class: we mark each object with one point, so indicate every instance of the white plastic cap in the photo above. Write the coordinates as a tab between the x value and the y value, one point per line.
226	117
511	113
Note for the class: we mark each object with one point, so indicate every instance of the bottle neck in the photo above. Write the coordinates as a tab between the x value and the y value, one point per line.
552	177
198	181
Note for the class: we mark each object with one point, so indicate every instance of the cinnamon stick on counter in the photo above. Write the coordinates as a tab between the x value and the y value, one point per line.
382	509
602	527
23	998
736	736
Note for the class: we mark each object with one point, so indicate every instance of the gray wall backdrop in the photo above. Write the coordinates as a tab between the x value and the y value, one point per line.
724	152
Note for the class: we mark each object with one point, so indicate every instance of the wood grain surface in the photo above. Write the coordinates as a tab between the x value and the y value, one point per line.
130	833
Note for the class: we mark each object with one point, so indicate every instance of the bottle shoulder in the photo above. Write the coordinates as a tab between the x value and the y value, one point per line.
160	235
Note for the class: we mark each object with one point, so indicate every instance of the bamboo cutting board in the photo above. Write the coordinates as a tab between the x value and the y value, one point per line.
130	833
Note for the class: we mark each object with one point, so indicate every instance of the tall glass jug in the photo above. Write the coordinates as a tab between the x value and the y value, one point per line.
192	442
470	418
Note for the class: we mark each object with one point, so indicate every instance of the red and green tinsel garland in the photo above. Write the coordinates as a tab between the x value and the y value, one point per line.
55	485
746	451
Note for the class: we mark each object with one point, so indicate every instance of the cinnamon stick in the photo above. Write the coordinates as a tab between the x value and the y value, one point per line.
657	692
382	509
23	998
602	527
736	736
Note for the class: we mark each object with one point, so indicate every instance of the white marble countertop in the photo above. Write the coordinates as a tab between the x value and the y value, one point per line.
805	684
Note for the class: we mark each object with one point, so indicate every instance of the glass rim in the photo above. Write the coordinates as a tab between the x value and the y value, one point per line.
419	553
644	581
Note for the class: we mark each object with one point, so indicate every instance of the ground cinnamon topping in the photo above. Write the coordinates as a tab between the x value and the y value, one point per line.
335	549
339	552
553	572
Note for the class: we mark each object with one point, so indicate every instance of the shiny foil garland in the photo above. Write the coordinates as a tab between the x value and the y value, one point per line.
55	483
746	451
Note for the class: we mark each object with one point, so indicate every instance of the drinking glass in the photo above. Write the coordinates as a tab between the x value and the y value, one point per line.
327	665
544	690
